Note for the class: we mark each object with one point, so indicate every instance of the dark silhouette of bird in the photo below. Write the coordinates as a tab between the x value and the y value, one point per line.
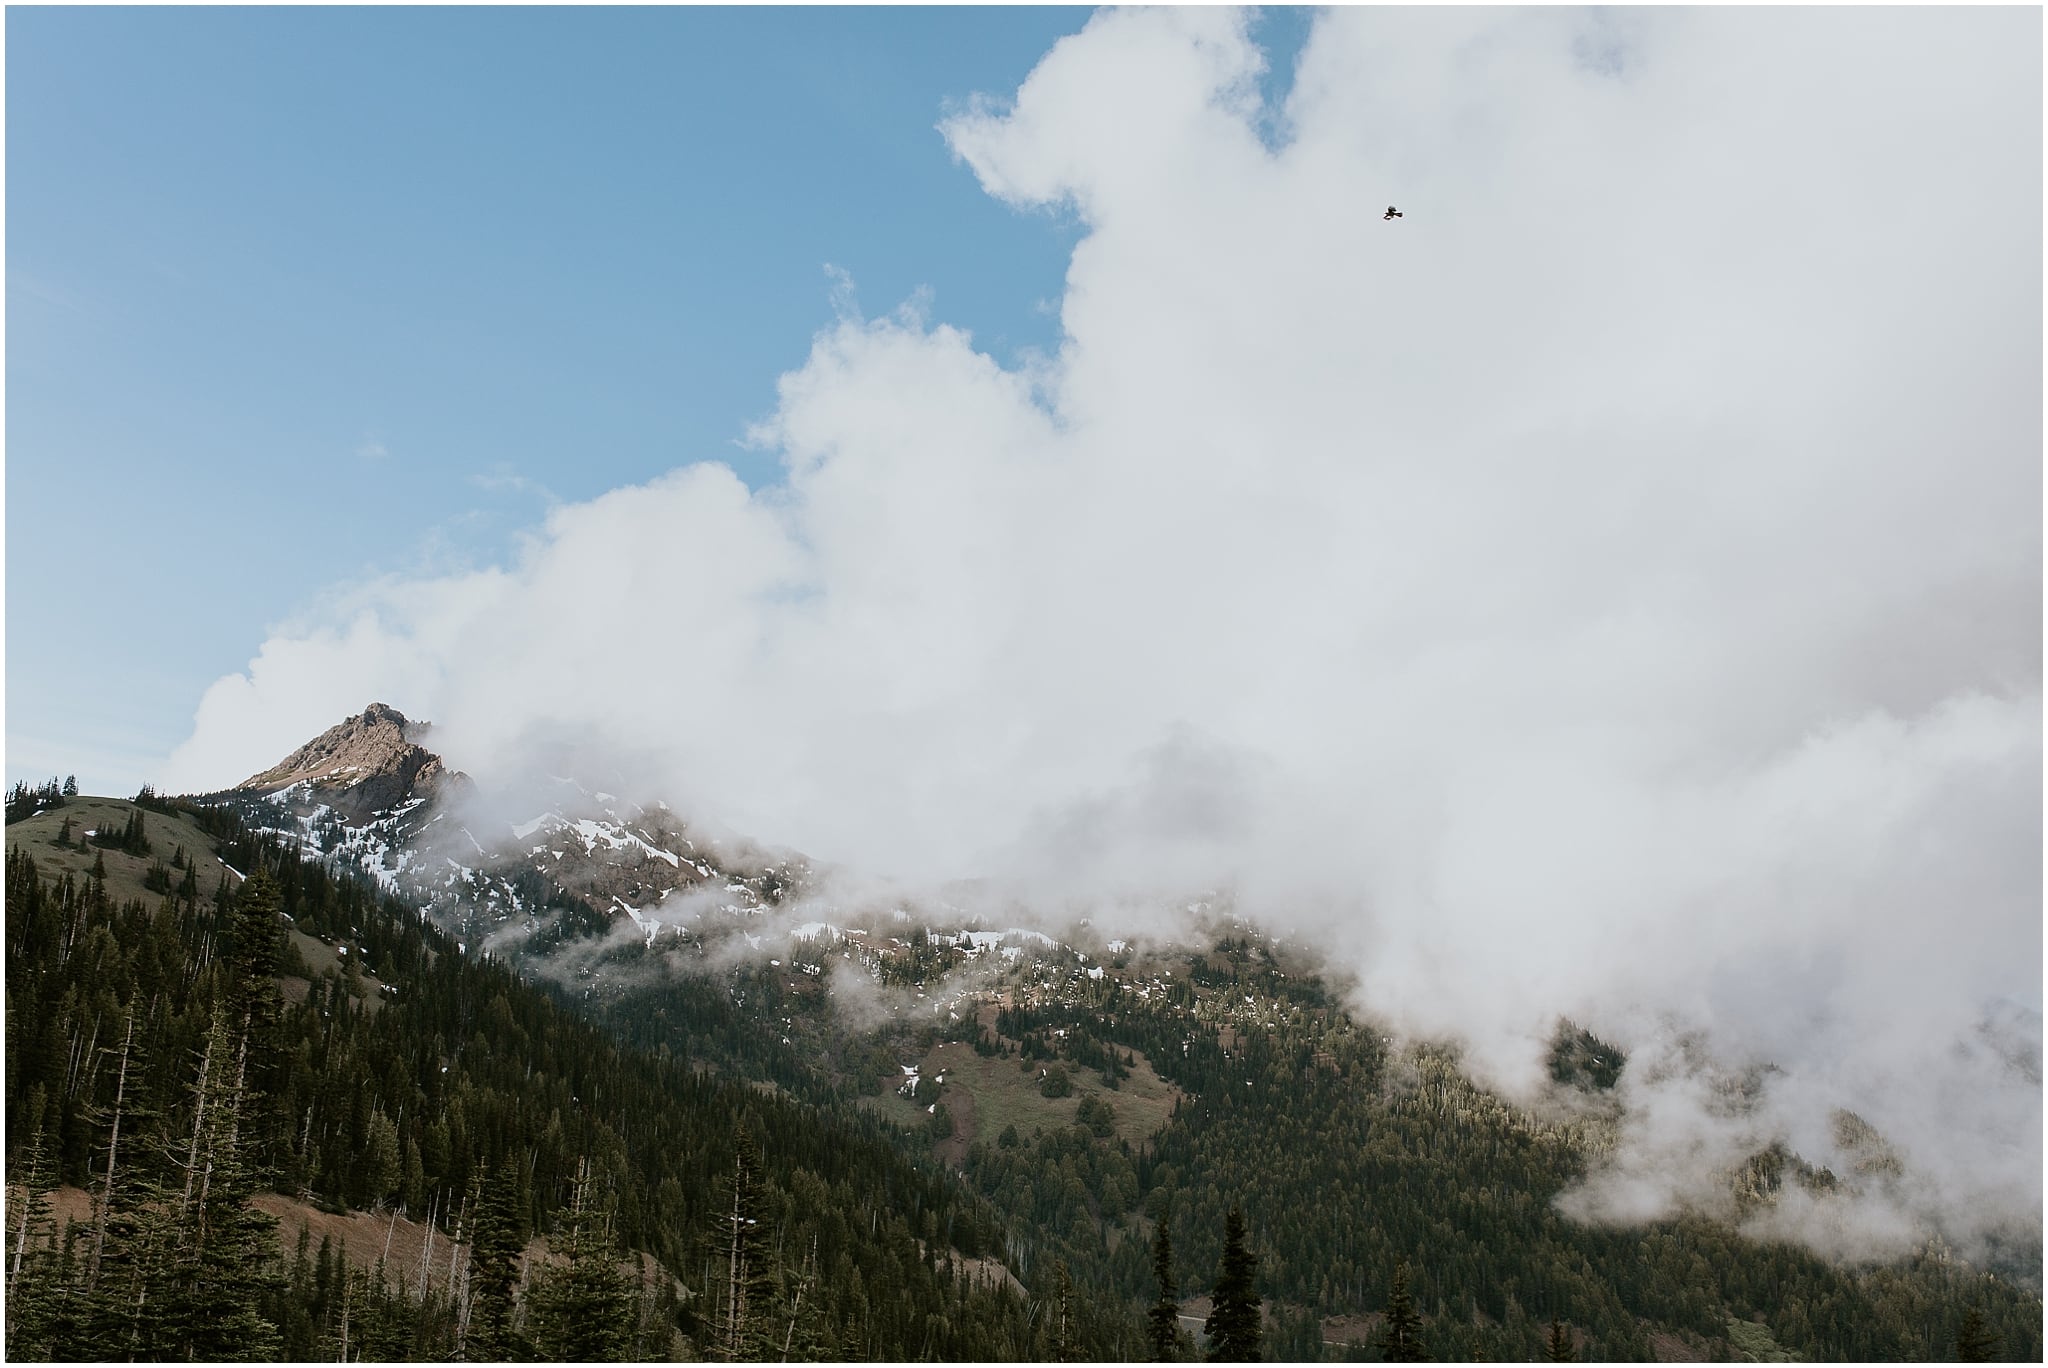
1393	213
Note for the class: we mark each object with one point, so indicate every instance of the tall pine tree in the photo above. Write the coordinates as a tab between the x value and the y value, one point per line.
256	936
583	1312
745	1328
1401	1339
1559	1348
1063	1313
231	1247
1975	1343
32	1288
492	1334
1233	1325
1162	1322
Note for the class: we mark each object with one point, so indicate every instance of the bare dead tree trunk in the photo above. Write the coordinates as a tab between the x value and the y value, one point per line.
427	1251
198	1129
796	1307
234	1135
735	1290
20	1248
458	1289
99	1236
348	1282
86	1061
27	1201
305	1154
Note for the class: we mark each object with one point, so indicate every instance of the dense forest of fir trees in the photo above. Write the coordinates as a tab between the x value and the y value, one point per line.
155	1060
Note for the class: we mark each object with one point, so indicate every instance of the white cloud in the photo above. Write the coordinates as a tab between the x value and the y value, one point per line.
1613	588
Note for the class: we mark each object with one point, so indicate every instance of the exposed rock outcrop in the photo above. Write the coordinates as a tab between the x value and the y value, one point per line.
369	764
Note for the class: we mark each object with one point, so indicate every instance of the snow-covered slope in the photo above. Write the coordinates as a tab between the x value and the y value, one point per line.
366	794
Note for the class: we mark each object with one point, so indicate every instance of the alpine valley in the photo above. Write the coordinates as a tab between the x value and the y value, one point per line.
359	1060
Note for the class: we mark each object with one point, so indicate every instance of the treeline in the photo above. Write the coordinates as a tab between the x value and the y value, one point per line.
26	800
152	1048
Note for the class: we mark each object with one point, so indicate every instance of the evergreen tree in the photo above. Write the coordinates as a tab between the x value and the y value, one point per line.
386	1321
256	934
234	1278
1559	1347
583	1312
1975	1342
138	1307
744	1330
1062	1312
70	786
1162	1322
230	1248
1401	1338
492	1335
32	1287
804	1339
1233	1325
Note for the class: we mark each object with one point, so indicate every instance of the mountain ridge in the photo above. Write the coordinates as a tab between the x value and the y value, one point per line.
1284	1096
366	790
364	765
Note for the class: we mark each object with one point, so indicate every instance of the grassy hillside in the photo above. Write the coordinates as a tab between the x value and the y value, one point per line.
987	1095
167	834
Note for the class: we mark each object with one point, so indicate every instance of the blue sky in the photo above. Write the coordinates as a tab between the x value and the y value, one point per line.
299	296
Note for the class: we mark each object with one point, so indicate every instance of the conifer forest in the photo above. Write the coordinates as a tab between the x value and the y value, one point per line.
282	1116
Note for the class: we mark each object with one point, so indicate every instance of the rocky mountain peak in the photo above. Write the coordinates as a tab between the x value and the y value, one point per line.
379	714
367	764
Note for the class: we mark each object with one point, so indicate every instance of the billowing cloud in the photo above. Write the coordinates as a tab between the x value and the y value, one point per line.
1611	588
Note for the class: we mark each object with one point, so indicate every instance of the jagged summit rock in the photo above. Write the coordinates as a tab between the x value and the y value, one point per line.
370	763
